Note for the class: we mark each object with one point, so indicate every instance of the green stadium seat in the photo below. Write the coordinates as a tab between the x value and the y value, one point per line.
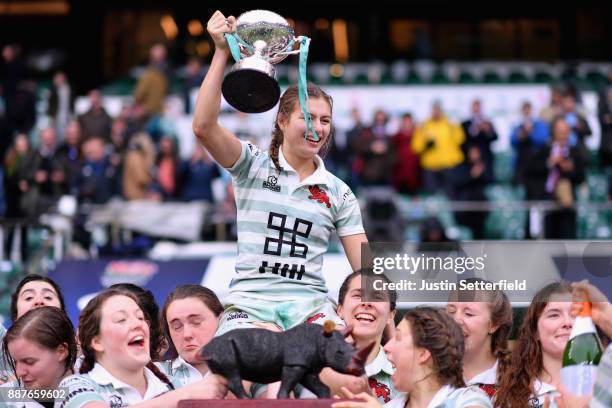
518	77
596	79
439	78
543	77
466	78
492	77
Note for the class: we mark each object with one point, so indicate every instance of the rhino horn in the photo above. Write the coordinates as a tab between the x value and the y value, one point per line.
202	355
347	331
362	355
358	360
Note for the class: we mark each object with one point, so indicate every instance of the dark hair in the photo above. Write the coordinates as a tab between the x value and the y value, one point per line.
48	327
32	278
146	301
391	295
205	295
287	104
436	331
526	364
89	327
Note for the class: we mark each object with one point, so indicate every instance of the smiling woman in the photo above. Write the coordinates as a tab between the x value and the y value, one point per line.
285	191
426	350
536	359
117	368
35	291
485	317
369	320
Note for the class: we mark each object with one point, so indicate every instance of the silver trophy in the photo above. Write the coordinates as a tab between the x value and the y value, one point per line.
262	38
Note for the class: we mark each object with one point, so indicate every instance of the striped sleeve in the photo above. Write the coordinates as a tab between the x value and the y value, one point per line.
241	168
348	220
79	391
602	393
470	397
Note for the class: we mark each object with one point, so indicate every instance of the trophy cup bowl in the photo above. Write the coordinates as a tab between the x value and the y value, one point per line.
265	38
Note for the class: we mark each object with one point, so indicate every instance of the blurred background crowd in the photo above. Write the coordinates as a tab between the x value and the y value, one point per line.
86	129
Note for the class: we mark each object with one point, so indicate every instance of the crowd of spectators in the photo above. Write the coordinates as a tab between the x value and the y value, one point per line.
95	157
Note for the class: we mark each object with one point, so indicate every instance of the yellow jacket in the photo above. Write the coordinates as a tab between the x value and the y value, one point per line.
446	152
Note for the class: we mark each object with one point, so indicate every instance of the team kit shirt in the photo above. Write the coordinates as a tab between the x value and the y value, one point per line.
450	397
99	385
486	380
180	371
284	226
379	373
602	393
542	391
5	371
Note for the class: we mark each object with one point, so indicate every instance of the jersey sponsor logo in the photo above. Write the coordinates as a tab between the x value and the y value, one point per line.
277	222
270	184
251	148
237	315
318	194
74	393
381	390
346	195
315	317
115	401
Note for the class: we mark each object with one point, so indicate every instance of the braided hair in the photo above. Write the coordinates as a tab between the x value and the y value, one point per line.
501	316
436	331
89	327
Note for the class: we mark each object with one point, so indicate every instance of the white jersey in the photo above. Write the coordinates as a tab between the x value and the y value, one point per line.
100	385
450	397
5	371
284	226
542	390
180	371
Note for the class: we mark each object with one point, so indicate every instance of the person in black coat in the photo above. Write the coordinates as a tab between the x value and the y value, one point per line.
471	178
479	132
553	174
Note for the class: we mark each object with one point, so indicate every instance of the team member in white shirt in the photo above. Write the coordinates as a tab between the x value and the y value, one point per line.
190	318
117	370
368	318
427	351
42	350
289	205
534	372
31	292
485	317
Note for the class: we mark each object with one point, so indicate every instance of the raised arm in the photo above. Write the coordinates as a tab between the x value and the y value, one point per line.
222	144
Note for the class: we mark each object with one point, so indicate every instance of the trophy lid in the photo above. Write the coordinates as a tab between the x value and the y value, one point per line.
267	26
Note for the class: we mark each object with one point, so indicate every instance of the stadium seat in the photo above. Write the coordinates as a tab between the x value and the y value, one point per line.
492	77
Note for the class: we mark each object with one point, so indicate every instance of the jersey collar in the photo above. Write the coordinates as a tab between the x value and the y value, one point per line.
318	177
